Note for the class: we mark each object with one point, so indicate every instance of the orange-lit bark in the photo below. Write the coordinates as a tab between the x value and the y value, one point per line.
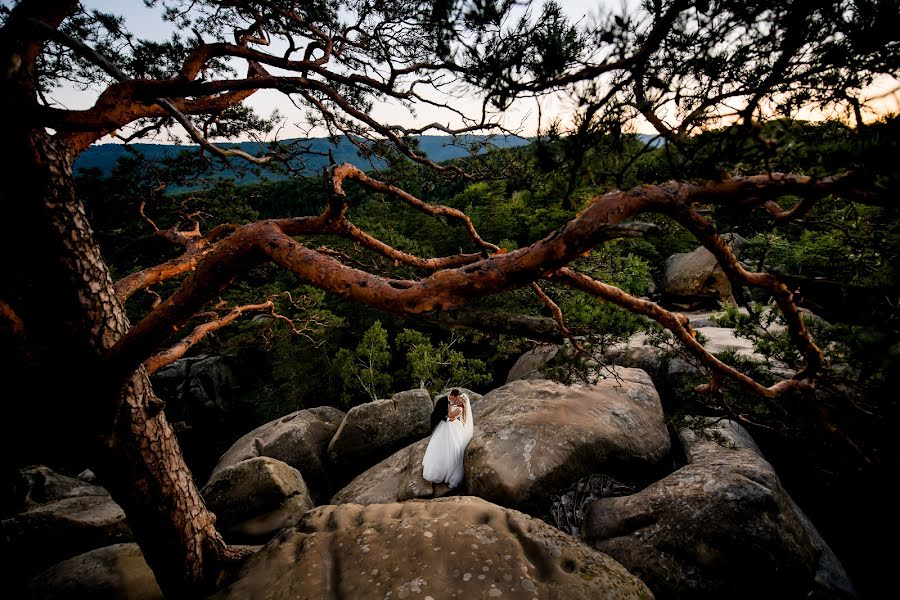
451	288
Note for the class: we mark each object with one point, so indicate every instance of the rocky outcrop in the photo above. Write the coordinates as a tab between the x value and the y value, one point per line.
533	438
450	548
117	572
375	430
256	498
697	275
720	527
63	517
299	439
38	485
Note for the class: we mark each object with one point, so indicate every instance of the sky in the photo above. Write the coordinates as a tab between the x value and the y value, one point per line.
522	117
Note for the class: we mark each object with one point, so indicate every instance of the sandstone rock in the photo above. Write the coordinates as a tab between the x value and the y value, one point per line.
256	498
116	572
720	527
528	365
299	439
197	387
395	479
38	485
635	353
532	439
697	274
63	517
459	547
375	430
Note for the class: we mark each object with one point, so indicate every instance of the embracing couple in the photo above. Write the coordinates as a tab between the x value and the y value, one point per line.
451	429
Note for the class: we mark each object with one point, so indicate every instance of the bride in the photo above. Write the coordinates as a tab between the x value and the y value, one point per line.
443	461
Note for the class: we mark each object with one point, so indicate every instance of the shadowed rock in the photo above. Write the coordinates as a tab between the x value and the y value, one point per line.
63	517
256	498
697	275
117	572
528	366
720	527
375	430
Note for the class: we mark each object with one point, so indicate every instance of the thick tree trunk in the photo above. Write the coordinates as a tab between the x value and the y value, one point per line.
58	285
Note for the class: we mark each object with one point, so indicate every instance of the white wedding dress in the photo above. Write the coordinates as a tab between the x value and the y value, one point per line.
443	461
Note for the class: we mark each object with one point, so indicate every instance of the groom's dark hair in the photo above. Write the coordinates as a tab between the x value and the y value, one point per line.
454	392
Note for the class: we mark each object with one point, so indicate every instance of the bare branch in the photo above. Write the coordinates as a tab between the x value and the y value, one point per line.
554	309
158	361
679	325
348	171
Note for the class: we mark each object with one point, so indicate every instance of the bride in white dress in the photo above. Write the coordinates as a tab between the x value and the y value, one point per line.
443	461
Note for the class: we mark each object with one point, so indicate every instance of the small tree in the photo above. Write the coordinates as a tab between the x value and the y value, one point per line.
364	369
437	367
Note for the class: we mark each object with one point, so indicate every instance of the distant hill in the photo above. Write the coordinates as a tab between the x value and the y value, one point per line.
436	147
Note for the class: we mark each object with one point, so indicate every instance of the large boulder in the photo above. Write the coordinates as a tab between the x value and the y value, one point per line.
117	572
256	498
458	547
299	439
697	275
720	527
375	430
63	517
533	438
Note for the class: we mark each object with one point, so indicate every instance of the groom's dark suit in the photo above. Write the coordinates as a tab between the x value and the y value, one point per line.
440	412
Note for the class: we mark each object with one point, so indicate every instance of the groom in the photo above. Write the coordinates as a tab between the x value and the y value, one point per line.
441	407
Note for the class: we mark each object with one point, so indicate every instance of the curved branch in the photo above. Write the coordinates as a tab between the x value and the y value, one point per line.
196	250
554	309
736	273
11	322
158	361
678	324
348	171
449	289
